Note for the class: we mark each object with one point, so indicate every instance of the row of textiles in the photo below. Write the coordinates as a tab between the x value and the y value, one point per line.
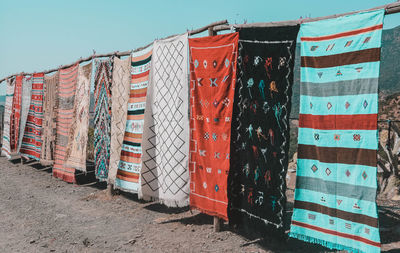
205	122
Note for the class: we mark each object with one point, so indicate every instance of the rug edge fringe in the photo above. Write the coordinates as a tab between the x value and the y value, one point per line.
326	244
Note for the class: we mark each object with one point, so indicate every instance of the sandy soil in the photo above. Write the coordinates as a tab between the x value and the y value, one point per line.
41	214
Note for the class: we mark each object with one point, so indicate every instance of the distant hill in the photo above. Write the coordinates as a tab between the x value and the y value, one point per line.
2	100
389	78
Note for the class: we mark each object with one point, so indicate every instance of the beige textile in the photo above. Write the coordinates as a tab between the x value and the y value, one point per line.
119	107
78	135
49	119
25	103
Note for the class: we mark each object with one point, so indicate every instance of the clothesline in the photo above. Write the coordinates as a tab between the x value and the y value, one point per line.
389	9
117	53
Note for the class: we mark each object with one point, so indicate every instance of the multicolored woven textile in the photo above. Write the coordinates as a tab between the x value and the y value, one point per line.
5	148
25	104
260	128
131	154
336	176
65	116
32	139
49	130
102	117
165	171
212	88
121	82
75	156
16	114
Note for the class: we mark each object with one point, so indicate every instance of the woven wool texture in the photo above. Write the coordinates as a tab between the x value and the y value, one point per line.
25	104
335	197
16	114
75	156
130	164
165	172
5	148
102	117
121	81
212	88
260	128
65	116
32	139
49	131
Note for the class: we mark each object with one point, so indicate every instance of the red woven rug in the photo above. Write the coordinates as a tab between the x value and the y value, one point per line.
16	114
212	86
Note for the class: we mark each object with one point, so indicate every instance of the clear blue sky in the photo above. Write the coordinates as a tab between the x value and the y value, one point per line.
43	34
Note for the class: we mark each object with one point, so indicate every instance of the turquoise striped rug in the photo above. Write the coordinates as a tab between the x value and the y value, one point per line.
335	197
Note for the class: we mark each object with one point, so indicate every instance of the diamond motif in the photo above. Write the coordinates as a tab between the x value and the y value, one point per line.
364	175
214	63
329	105
314	168
348	173
339	201
226	101
356	137
205	64
347	105
320	74
348	43
216	188
226	63
328	171
339	73
311	105
336	137
367	39
365	104
330	47
204	103
215	103
196	63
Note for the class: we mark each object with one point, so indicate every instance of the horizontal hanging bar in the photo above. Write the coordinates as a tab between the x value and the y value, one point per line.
389	9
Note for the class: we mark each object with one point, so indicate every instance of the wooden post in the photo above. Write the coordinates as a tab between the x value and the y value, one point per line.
110	191
217	224
217	221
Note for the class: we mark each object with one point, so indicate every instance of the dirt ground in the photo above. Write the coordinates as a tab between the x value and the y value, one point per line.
41	214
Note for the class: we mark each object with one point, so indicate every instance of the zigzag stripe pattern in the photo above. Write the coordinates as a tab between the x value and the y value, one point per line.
102	117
